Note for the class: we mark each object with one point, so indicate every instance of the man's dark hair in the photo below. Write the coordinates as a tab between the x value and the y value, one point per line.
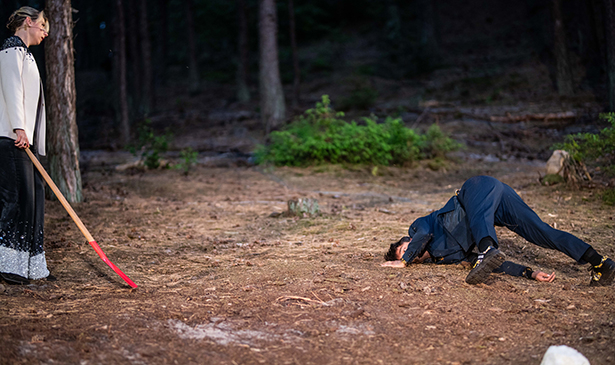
391	255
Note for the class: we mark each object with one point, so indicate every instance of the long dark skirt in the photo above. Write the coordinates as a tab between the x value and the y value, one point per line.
22	214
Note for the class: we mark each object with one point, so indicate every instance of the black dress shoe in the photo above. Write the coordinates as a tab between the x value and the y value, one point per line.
14	279
51	278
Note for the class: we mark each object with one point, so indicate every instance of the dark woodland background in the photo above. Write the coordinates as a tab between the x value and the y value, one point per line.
187	53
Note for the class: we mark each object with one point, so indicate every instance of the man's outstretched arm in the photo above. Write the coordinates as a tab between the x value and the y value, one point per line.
507	267
513	269
399	263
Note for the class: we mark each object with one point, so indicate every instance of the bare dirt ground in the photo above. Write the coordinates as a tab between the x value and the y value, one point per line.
222	281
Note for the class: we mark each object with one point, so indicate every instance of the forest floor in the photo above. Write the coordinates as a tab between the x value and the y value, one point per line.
226	277
223	280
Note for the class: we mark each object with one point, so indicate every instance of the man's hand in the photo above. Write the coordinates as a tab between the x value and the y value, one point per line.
396	263
543	276
22	139
420	259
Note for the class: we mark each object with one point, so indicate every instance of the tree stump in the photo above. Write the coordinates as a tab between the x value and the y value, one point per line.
561	167
303	207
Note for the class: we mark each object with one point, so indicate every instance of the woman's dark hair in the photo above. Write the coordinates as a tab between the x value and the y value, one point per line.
391	255
19	16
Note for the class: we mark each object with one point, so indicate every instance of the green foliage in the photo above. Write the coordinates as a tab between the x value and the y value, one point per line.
437	164
149	145
609	196
552	179
188	160
436	144
321	136
598	148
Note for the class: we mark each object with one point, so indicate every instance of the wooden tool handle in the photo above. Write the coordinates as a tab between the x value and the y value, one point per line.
59	195
76	219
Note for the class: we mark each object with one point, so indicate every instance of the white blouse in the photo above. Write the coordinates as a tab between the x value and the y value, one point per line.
20	89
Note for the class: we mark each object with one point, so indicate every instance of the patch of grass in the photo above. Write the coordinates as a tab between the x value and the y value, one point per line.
437	164
321	136
552	179
597	149
608	197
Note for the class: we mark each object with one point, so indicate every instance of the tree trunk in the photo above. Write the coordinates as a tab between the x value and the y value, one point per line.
609	30
243	93
164	40
563	74
146	59
133	57
293	45
62	138
120	66
273	109
192	59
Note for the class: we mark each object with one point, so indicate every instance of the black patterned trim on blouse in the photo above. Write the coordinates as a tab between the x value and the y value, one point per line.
14	41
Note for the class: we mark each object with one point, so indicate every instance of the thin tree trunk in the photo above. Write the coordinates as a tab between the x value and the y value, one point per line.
273	109
146	59
164	40
192	59
133	57
120	64
563	74
609	30
243	93
62	139
293	45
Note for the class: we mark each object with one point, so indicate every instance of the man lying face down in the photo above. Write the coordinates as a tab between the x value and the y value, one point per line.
449	235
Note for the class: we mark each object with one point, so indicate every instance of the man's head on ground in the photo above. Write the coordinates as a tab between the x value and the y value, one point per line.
397	249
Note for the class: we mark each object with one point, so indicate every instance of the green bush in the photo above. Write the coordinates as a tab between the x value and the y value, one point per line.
436	144
321	136
188	158
598	148
150	146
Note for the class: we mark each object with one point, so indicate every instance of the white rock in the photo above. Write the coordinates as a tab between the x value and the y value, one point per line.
556	162
563	355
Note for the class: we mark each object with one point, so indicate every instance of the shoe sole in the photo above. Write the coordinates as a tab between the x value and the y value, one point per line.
14	279
480	273
605	280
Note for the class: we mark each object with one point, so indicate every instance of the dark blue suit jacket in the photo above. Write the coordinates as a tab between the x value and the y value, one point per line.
443	233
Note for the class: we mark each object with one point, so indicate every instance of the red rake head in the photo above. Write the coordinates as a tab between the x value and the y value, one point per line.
102	255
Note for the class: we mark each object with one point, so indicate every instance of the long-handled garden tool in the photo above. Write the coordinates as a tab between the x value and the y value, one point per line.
76	219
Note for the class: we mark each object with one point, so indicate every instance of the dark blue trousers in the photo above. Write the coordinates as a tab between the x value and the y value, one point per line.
488	202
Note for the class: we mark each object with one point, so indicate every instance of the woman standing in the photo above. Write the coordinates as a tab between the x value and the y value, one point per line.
22	125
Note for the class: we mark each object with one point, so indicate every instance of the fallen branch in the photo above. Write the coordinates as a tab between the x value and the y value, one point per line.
539	116
508	118
292	297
